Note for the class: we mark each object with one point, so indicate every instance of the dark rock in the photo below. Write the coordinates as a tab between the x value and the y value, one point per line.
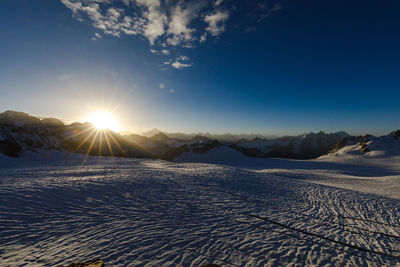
395	134
16	118
10	148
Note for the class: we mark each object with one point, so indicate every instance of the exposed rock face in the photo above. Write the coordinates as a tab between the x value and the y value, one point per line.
363	143
91	263
10	148
395	134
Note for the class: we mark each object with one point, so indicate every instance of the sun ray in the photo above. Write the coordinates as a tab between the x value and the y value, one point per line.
92	143
77	134
91	146
115	141
108	144
84	141
101	143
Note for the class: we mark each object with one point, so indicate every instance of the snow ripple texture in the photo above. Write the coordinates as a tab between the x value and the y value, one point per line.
155	213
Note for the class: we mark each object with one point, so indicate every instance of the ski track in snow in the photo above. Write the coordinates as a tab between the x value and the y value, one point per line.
156	213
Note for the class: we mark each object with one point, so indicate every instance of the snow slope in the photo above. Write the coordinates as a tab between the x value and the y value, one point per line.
218	155
154	213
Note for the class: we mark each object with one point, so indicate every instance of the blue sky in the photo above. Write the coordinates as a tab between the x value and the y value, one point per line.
272	67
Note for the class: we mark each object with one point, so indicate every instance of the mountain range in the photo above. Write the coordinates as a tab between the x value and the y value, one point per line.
20	132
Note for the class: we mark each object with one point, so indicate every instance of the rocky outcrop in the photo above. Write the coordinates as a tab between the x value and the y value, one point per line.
15	118
395	134
20	132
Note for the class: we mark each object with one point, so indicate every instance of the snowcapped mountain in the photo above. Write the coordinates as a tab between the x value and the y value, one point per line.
306	146
20	132
227	137
368	146
151	133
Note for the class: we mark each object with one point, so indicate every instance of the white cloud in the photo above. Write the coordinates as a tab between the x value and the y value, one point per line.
169	23
203	38
171	90
153	19
180	62
75	6
218	2
180	65
110	20
183	58
162	85
216	22
166	24
150	23
179	31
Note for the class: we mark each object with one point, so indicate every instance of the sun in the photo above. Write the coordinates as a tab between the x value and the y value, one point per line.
104	121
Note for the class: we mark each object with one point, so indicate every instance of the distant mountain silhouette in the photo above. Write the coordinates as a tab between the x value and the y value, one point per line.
151	133
20	132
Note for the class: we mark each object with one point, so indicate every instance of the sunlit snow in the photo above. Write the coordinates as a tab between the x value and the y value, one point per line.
132	212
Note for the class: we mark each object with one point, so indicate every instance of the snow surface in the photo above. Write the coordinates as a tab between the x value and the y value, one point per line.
248	212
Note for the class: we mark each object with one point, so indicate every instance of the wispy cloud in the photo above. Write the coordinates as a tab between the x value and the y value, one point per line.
179	29
218	2
216	22
166	24
183	58
180	62
96	36
180	65
153	19
169	22
266	10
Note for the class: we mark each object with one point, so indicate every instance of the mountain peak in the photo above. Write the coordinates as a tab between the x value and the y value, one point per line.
18	118
151	132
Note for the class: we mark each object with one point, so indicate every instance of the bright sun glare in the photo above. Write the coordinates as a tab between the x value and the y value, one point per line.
104	120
